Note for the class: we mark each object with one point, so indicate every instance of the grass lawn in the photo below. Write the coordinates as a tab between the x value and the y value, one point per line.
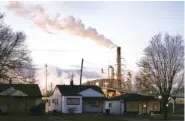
24	118
94	117
86	117
65	117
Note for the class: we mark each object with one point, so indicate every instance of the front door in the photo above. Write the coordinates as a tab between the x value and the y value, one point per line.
142	108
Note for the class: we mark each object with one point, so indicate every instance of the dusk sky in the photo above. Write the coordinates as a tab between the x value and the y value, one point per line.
127	24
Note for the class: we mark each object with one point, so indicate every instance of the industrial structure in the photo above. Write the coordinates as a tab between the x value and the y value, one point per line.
115	84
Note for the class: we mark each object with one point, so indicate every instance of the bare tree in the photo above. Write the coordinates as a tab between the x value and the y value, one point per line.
129	80
15	62
164	61
142	80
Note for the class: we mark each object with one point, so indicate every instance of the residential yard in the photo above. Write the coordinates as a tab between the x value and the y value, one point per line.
85	117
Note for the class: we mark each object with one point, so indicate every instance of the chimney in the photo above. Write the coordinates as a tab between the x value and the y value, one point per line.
111	72
119	77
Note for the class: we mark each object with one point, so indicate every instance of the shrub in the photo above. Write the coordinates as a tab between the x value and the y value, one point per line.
38	109
71	110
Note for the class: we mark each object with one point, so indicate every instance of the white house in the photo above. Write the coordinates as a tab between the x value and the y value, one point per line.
79	98
133	103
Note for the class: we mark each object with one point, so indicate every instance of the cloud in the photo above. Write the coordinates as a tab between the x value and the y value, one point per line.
71	25
58	75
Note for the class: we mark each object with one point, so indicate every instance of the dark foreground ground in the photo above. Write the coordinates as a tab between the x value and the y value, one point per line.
87	117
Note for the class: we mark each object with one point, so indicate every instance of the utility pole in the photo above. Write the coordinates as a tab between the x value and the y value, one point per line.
46	78
81	71
51	86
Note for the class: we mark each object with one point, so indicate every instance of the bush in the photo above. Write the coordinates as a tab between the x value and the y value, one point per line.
71	110
56	113
132	113
38	110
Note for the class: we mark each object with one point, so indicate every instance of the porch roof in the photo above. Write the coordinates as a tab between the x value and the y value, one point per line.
71	94
134	97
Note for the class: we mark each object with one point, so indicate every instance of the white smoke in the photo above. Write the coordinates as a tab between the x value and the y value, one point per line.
57	75
71	25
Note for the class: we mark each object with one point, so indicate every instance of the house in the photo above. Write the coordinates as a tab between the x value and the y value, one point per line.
79	98
19	97
133	103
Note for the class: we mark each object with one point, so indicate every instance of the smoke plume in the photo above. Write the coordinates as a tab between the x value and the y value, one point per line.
71	25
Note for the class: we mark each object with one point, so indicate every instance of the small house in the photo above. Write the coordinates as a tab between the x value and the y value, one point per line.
77	98
19	97
133	103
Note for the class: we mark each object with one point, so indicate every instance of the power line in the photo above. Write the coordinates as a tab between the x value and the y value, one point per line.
52	50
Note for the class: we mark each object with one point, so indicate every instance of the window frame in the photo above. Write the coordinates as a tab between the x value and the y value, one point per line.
72	99
56	101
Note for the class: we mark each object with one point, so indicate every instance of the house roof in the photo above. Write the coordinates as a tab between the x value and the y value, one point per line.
73	90
134	97
32	90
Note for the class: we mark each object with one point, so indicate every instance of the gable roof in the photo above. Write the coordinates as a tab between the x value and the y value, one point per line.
32	90
73	90
134	97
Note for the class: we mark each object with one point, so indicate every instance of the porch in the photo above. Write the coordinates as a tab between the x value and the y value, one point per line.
142	107
93	104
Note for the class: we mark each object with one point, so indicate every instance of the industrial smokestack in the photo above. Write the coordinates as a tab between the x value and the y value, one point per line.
71	25
119	76
111	72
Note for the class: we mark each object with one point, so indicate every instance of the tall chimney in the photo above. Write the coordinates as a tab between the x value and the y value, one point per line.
119	76
111	72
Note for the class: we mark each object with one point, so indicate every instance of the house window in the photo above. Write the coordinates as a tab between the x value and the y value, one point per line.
56	102
53	100
73	101
132	106
110	105
154	107
95	103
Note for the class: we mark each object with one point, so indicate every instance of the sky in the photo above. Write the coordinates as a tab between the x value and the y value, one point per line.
129	25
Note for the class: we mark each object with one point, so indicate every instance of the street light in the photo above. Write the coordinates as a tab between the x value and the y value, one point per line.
144	106
159	96
166	105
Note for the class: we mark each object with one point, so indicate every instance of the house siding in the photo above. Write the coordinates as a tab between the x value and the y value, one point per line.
56	96
116	108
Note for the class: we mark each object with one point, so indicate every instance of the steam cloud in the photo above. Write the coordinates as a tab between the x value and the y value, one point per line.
70	24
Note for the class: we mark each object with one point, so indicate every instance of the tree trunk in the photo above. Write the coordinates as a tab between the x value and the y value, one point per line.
174	103
164	108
